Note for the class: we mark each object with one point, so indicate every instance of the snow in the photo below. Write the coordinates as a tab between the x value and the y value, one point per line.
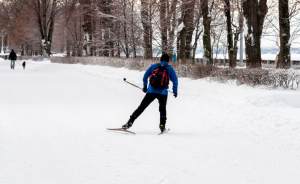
58	55
54	116
4	54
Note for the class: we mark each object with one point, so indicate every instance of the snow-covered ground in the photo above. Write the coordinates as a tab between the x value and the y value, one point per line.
54	117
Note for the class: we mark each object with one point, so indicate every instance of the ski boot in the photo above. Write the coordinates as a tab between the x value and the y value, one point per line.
162	124
162	128
127	125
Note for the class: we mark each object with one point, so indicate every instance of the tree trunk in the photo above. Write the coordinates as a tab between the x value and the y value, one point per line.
87	26
186	34
181	40
132	31
118	35
125	30
107	24
46	12
173	22
147	28
284	58
198	31
254	13
164	25
69	9
206	35
231	54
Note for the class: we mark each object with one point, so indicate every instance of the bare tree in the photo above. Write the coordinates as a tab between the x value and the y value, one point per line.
69	8
106	20
234	26
46	11
133	27
19	30
206	35
227	11
87	14
147	28
199	30
75	36
284	58
164	25
186	30
172	22
4	16
125	28
254	12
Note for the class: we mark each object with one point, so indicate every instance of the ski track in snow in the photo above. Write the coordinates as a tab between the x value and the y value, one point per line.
54	118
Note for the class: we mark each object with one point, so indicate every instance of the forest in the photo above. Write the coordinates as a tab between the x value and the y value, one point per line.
146	28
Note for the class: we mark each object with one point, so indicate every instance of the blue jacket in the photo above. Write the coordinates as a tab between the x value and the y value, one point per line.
172	76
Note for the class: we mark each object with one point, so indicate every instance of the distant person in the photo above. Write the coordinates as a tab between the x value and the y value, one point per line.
24	65
159	75
12	57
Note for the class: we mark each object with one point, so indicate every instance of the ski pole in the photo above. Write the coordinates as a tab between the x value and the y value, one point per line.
125	80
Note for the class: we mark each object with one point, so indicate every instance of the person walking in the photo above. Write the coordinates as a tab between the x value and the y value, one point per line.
158	75
12	57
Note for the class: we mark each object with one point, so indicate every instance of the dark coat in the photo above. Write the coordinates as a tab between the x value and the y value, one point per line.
12	55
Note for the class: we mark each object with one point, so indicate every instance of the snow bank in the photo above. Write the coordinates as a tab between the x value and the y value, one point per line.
54	116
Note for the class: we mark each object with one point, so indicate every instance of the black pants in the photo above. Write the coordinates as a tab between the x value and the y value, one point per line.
148	99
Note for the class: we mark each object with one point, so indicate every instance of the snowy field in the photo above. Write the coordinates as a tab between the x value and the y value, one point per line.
54	117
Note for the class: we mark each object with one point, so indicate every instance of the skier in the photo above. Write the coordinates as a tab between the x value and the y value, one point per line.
159	75
12	57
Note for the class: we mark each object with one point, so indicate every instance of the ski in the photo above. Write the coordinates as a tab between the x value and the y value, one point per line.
121	130
164	132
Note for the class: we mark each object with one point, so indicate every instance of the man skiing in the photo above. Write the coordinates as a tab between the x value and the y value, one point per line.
12	57
158	75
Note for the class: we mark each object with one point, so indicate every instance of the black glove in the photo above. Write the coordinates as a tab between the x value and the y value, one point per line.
175	95
145	89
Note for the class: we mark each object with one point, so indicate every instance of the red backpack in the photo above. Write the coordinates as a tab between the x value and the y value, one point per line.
159	78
